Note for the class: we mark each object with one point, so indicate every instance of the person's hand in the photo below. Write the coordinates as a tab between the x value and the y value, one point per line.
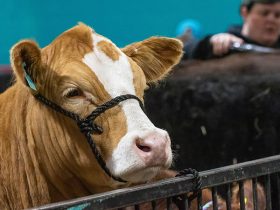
222	42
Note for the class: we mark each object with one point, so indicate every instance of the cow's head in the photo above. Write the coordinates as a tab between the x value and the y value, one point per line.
80	70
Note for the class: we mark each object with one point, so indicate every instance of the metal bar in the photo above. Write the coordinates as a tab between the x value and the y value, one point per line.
184	198
214	198
154	205
136	207
241	195
228	197
187	203
268	192
169	203
255	193
241	171
199	200
173	186
278	188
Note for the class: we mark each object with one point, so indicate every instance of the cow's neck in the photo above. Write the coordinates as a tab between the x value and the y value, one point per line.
25	186
53	147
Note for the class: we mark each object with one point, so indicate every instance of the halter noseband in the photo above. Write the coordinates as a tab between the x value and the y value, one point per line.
86	125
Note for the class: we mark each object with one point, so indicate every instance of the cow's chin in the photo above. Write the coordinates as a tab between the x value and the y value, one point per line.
141	175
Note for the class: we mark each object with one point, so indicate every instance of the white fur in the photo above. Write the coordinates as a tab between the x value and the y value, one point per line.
117	78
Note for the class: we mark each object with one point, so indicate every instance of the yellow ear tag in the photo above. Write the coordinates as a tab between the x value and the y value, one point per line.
28	79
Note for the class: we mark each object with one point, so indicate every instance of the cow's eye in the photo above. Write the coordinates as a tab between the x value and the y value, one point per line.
75	92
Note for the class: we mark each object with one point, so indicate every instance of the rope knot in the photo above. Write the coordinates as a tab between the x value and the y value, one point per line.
87	126
193	173
189	172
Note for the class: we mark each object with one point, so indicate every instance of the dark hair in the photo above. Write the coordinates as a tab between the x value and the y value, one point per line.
248	6
250	3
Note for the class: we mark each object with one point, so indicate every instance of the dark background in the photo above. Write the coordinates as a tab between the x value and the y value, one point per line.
220	112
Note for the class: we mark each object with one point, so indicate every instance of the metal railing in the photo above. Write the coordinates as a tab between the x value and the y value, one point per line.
261	169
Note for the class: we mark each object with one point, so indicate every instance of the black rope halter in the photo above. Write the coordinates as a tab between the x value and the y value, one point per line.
87	127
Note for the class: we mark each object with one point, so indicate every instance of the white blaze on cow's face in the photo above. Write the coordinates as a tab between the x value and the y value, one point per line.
144	149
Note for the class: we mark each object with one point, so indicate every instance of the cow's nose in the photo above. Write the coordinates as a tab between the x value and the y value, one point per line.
154	149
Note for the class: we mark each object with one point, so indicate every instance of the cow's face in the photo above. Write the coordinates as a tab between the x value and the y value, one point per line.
81	70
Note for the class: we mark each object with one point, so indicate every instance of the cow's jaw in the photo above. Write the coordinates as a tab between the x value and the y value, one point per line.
129	159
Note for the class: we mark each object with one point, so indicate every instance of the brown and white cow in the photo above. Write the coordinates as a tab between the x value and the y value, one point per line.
44	156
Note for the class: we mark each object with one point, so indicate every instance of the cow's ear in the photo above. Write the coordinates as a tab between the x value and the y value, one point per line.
26	62
156	56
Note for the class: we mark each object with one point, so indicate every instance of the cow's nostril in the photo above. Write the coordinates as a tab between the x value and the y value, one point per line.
142	146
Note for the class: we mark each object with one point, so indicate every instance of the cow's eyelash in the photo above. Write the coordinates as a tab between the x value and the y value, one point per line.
73	92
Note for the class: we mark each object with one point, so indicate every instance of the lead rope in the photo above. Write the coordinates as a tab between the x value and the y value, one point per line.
87	127
178	200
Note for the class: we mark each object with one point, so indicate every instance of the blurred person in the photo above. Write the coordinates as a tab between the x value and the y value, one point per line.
189	31
261	26
189	28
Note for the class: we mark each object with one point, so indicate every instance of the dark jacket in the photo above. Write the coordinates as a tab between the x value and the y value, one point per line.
203	49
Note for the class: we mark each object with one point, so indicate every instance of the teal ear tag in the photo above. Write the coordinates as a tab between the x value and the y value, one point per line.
79	207
28	79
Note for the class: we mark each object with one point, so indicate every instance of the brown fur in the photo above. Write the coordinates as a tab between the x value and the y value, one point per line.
44	158
143	53
109	50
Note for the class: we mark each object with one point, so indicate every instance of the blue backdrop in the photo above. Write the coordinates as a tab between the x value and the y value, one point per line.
123	21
